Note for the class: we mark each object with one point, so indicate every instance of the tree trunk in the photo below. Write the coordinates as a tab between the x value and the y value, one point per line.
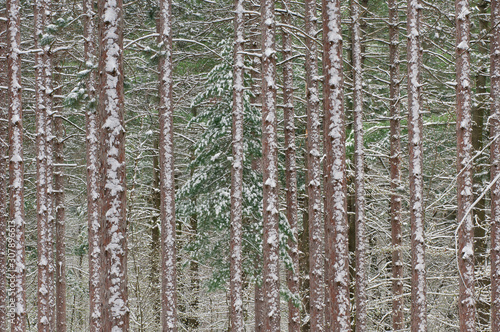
60	220
479	111
495	165
237	323
466	303
316	226
3	176
337	258
45	318
292	275
395	162
167	181
304	258
270	168
115	306
93	146
154	259
359	173
16	224
415	127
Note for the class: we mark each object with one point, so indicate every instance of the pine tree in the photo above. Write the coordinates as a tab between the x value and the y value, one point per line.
495	166
336	240
395	161
16	224
115	306
415	137
93	150
166	149
237	171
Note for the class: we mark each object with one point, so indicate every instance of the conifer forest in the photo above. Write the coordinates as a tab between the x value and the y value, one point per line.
249	165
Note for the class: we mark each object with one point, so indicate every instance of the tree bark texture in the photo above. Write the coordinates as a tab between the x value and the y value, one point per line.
4	137
236	286
466	303
395	164
16	223
336	227
167	187
359	171
270	168
93	146
292	275
415	136
315	200
495	165
115	307
60	221
46	313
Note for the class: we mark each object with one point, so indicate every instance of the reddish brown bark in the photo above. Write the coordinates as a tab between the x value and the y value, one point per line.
466	303
115	316
495	165
292	275
359	172
415	136
236	318
315	200
93	146
336	238
167	187
395	162
4	137
45	318
270	169
16	224
60	221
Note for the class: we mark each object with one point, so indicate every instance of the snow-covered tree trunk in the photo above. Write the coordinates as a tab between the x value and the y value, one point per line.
16	224
292	276
466	303
167	185
395	162
315	199
3	174
115	307
495	165
45	318
237	323
60	220
415	136
93	146
270	170
359	172
336	245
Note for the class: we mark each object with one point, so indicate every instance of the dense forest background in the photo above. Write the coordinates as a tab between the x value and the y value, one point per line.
202	99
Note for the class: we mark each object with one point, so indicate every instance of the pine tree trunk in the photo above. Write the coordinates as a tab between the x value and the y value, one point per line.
60	220
94	180
415	127
337	258
359	173
466	303
154	258
395	162
3	176
315	200
304	257
292	276
237	323
479	111
16	224
45	318
495	165
167	187
270	168
115	306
